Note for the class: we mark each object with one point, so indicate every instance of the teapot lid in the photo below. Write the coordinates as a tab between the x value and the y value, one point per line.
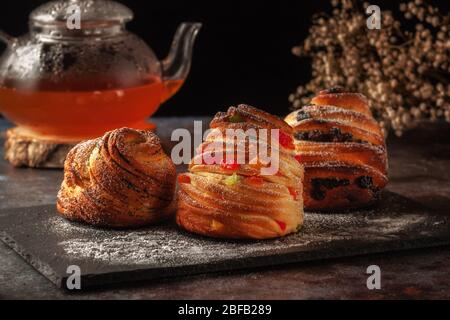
92	12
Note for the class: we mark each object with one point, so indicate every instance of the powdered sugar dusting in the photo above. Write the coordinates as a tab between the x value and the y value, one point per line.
167	245
157	245
51	243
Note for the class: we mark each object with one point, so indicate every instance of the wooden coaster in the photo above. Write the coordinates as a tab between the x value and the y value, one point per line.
23	150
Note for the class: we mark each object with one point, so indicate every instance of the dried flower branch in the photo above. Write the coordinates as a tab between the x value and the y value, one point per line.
405	74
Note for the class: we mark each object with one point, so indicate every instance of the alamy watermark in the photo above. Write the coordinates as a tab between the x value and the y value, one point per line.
374	20
74	17
73	281
251	147
374	280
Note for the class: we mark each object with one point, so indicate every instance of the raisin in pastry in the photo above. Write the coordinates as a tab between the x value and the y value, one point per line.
342	149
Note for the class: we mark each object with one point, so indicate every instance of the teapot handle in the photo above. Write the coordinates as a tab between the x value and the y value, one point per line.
6	38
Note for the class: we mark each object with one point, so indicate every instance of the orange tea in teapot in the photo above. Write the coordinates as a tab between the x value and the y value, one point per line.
70	84
84	111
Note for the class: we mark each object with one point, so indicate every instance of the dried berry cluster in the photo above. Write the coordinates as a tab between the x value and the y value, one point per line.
404	73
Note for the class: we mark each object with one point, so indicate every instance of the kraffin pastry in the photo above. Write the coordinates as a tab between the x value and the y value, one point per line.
235	200
123	179
342	149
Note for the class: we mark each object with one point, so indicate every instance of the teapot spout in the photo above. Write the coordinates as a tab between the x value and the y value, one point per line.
6	38
178	63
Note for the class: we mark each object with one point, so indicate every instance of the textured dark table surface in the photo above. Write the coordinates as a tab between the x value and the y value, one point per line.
419	169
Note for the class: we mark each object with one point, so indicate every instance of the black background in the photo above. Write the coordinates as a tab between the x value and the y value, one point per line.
243	53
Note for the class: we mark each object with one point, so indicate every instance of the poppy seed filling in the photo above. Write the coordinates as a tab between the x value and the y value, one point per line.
319	186
333	135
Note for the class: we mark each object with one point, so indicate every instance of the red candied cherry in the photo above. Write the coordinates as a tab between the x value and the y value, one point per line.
233	166
286	140
281	224
293	192
182	178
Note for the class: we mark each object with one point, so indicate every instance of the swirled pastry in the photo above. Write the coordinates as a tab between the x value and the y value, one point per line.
342	149
123	179
235	199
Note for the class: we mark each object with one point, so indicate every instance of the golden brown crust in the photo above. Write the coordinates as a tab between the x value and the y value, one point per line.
346	100
123	179
251	118
342	149
253	206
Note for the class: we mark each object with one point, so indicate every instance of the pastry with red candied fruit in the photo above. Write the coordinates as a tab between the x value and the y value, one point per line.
235	200
342	149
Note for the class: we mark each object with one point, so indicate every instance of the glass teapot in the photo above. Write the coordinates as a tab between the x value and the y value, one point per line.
79	72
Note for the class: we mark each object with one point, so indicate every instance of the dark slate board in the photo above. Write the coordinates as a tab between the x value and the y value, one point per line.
51	244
